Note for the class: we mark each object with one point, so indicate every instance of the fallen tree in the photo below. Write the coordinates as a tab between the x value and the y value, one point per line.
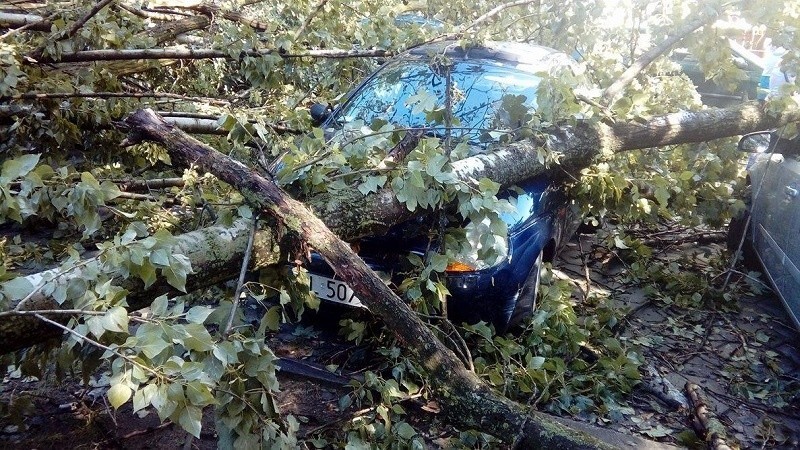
350	214
466	400
251	70
464	396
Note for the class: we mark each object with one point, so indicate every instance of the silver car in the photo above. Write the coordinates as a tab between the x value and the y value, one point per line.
768	231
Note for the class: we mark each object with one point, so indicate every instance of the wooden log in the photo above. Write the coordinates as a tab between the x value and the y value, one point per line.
705	422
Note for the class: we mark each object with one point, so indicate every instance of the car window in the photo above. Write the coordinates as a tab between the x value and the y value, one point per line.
487	96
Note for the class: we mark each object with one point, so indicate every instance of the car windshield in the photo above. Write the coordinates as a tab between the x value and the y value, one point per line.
486	96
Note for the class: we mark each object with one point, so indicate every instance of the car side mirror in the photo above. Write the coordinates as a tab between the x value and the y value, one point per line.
769	142
757	142
319	113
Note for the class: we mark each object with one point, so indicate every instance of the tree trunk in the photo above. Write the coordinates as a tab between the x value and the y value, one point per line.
465	399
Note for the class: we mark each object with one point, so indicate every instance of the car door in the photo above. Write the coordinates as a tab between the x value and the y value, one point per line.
787	232
769	216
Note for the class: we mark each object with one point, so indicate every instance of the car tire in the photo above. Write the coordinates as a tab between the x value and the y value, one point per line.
738	229
526	300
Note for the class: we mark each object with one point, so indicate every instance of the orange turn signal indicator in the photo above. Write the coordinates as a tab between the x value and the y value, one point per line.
458	266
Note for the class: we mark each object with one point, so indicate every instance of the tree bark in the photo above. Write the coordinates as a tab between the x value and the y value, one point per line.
466	400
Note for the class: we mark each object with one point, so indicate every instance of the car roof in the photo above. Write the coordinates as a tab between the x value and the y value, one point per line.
515	52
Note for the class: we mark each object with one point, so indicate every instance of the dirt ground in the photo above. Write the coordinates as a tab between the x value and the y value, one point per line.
733	355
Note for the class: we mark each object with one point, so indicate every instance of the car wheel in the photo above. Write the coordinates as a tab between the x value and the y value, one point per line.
738	229
526	300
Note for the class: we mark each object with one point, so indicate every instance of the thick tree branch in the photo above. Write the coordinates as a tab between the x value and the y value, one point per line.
82	21
186	53
649	56
166	32
233	16
351	214
169	95
698	126
704	421
29	21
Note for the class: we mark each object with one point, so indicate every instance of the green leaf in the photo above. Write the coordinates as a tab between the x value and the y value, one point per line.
118	395
159	258
372	184
662	196
198	314
272	318
190	420
151	340
143	397
19	166
405	430
18	288
199	339
199	394
116	320
95	325
159	305
536	362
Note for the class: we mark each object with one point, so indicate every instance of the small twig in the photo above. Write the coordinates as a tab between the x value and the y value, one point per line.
708	328
50	311
187	444
495	11
135	196
82	21
147	185
99	345
242	273
585	268
355	415
309	18
408	143
146	14
148	430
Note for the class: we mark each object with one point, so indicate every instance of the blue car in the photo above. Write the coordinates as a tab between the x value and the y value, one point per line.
495	86
766	231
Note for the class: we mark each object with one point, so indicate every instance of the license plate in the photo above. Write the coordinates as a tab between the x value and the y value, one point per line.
333	290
